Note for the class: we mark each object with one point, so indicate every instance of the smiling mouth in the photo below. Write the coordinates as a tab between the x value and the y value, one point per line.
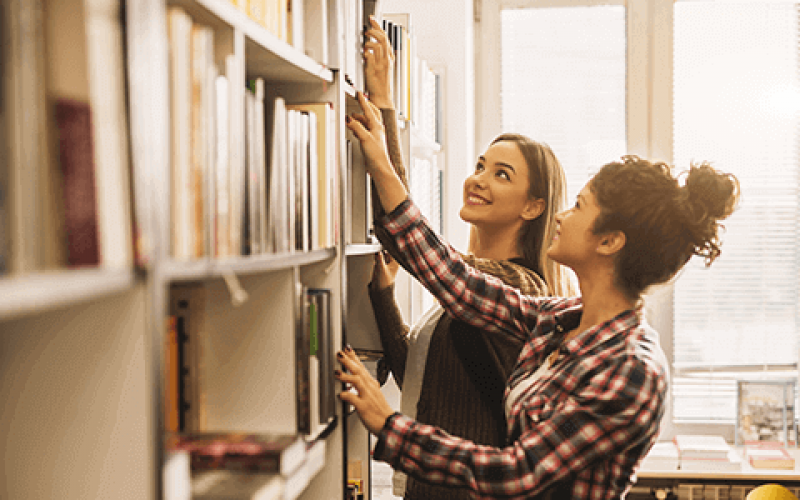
476	200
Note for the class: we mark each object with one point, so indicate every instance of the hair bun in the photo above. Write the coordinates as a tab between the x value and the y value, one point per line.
710	194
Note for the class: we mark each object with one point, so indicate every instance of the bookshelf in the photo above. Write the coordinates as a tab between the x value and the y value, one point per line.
84	362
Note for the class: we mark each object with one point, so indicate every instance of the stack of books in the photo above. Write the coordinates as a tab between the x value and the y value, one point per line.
706	453
768	455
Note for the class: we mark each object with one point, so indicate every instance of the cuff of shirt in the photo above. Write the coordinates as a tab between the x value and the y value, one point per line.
402	217
389	447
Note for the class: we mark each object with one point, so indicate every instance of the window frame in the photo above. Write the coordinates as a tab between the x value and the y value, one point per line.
649	121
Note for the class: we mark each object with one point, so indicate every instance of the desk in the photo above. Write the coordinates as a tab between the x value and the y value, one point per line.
674	479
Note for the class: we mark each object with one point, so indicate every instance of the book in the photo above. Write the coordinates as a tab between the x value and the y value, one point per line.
107	97
771	455
260	165
202	61
662	456
323	350
315	30
187	306
302	346
242	451
279	217
702	446
222	211
172	375
236	151
75	148
324	193
730	462
251	230
179	30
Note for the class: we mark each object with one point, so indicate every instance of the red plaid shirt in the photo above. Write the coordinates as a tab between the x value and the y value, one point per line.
577	432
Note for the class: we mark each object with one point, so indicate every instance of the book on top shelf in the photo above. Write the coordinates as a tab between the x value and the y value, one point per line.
179	30
769	455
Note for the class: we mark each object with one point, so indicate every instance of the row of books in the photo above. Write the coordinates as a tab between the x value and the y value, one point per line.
713	453
417	87
65	175
230	199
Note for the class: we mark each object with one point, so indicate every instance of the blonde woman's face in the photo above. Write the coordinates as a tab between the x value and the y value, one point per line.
497	191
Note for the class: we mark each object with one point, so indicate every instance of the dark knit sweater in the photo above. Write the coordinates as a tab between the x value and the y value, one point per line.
466	369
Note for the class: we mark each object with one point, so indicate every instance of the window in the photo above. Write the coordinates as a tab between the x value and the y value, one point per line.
598	81
737	103
563	83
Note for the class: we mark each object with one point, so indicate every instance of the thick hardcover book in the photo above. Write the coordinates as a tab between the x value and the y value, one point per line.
769	456
241	451
76	157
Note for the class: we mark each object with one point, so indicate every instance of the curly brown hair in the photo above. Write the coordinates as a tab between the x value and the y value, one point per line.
665	223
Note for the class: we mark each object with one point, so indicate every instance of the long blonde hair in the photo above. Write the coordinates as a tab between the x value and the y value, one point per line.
548	183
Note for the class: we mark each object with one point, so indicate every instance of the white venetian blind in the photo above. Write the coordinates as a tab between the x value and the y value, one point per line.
737	104
563	83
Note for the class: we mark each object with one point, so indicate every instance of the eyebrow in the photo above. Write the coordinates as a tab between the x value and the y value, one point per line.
506	165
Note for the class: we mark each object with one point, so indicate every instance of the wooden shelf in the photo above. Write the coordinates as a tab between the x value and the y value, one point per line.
266	52
214	268
40	292
362	249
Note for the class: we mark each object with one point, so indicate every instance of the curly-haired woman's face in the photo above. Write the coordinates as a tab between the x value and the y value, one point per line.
574	243
497	191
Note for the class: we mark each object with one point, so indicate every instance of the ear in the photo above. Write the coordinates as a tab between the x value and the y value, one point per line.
611	243
534	207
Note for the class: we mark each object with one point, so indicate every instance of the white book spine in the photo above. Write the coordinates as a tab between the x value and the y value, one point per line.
107	96
180	25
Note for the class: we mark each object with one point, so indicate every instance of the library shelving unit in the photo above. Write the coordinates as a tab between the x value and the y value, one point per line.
83	345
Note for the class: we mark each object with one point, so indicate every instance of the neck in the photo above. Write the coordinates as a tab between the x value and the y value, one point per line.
497	244
602	300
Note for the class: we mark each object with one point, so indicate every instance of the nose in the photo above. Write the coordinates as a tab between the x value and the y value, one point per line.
477	178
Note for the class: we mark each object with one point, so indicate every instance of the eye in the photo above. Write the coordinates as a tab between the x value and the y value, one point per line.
479	167
504	175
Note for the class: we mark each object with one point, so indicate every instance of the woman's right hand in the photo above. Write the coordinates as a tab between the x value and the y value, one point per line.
385	271
378	66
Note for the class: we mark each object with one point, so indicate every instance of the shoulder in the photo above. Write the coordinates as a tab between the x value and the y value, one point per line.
526	280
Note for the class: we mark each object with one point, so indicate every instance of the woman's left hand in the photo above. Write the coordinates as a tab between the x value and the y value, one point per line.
368	400
368	128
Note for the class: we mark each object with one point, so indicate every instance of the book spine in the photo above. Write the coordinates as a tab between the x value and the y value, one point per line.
76	157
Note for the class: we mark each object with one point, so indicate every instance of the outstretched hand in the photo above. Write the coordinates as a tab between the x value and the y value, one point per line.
368	400
385	271
368	128
378	66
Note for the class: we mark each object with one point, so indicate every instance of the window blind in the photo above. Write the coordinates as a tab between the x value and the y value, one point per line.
563	83
737	104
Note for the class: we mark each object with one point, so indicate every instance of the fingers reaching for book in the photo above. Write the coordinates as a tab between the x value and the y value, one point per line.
366	396
378	65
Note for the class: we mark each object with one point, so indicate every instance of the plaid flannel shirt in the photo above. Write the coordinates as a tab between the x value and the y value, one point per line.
579	431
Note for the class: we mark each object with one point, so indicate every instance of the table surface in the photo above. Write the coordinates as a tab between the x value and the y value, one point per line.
747	472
